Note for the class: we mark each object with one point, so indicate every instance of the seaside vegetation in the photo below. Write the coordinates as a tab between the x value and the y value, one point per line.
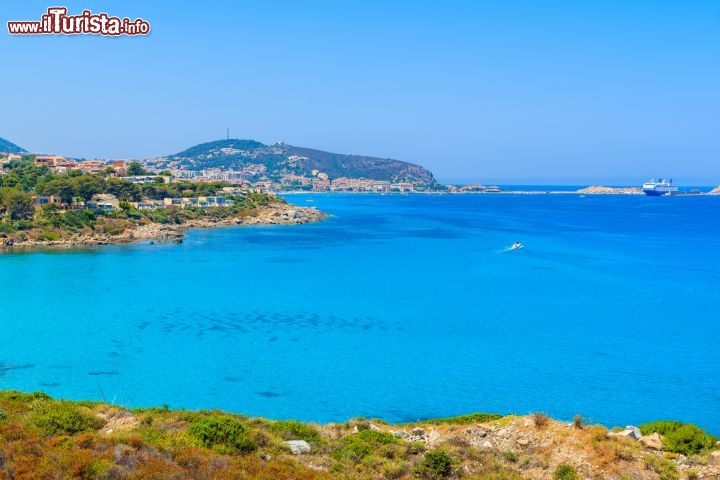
41	437
463	419
22	180
678	437
565	472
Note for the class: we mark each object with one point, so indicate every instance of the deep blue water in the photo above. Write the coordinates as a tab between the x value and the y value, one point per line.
399	306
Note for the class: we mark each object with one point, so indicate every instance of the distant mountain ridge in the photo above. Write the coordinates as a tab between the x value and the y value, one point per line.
275	161
9	147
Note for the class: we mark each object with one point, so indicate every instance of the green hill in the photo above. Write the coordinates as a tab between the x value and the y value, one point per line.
274	161
9	147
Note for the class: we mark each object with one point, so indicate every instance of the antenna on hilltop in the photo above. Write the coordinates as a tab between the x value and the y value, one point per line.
228	133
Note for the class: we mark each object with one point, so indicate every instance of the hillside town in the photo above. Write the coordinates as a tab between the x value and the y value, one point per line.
245	179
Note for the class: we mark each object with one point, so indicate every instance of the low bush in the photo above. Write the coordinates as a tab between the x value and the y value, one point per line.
21	397
436	464
60	417
293	430
510	456
415	448
663	427
664	467
357	447
395	470
540	419
464	419
565	472
578	421
48	235
221	431
684	438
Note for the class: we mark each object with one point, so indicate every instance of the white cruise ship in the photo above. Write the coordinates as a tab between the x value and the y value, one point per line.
659	188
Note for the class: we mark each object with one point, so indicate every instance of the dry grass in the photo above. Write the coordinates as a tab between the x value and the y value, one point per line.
578	421
540	420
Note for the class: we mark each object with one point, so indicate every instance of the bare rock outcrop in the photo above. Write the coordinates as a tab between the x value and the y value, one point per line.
599	190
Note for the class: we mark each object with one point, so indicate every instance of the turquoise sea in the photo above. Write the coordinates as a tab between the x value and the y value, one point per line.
402	307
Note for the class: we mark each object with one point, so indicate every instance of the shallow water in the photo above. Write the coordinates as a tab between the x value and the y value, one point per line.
400	306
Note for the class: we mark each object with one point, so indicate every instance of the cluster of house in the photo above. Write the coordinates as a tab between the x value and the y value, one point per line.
319	181
108	202
218	175
60	164
343	184
183	202
104	202
7	158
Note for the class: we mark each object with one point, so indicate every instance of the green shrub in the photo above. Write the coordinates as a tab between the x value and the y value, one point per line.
60	417
464	419
662	466
152	435
565	472
663	427
436	464
48	235
684	438
21	397
358	446
510	456
415	448
293	430
395	470
217	430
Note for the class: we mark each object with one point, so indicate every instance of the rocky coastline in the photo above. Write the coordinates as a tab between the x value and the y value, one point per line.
278	213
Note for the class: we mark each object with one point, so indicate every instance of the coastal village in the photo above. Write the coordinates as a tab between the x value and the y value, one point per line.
249	179
121	170
248	166
246	180
239	182
53	200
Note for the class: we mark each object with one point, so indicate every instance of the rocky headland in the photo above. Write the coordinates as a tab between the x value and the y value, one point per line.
119	231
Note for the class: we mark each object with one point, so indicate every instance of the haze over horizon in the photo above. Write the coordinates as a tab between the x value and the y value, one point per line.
558	93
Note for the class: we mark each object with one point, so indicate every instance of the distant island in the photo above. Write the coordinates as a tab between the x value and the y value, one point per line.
43	438
611	191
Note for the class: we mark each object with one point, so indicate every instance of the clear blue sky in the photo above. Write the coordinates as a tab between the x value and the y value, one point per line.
494	91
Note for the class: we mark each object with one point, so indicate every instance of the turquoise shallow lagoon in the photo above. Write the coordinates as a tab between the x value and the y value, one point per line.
402	307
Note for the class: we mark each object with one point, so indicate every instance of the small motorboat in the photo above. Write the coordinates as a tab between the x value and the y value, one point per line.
516	246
